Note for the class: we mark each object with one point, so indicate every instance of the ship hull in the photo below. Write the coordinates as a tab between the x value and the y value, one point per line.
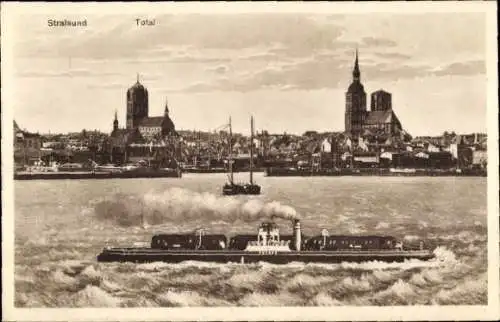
250	189
145	255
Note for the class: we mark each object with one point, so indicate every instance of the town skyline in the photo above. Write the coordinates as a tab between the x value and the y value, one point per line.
291	74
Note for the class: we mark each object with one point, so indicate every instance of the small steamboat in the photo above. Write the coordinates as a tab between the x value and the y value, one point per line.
268	246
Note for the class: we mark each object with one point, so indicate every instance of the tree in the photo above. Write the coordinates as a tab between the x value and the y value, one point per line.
310	133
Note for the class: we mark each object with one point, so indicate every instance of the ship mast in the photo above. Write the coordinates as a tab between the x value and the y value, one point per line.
230	152
198	143
251	150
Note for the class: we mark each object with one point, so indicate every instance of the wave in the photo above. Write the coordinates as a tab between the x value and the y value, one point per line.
87	284
469	291
266	299
92	296
246	280
427	277
382	225
443	254
323	299
400	292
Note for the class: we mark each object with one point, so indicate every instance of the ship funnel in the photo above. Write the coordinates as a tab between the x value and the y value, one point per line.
297	235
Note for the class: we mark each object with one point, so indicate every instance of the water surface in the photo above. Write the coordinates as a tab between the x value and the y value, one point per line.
60	227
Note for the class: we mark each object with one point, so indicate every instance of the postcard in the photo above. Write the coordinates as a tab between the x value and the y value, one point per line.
250	161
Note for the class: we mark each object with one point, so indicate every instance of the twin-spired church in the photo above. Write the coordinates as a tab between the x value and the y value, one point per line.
381	118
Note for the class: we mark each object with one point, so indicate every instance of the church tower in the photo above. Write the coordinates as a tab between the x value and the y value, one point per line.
115	122
355	109
137	104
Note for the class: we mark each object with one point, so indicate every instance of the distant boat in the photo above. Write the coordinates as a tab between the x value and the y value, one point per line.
108	168
231	188
129	167
394	170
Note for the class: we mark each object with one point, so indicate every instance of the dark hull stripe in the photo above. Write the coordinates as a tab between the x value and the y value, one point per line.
145	255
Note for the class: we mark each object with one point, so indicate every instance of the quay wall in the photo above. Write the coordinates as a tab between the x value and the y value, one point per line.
285	172
95	175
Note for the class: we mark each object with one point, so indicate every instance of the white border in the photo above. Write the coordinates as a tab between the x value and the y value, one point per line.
9	11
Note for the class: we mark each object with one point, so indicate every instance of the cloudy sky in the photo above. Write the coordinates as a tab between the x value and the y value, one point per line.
289	70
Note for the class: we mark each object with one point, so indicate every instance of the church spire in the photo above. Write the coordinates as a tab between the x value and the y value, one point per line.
356	73
166	107
167	125
115	122
137	77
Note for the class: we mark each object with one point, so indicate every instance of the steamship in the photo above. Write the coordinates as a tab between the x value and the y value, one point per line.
268	246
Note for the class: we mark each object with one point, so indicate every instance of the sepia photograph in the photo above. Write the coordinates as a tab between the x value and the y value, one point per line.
322	157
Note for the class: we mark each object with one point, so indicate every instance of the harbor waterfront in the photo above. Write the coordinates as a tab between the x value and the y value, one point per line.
374	142
59	233
292	172
79	175
269	172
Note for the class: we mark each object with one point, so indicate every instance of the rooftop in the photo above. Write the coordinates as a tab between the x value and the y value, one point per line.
154	121
377	117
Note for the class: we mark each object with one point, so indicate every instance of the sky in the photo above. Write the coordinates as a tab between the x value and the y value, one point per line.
289	70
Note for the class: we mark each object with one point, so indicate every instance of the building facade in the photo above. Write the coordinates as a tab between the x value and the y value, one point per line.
355	112
143	137
27	146
381	119
137	105
381	101
139	125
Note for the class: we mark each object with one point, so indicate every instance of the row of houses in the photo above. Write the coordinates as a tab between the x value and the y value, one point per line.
405	159
196	148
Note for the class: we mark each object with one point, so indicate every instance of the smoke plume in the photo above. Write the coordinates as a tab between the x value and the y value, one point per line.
177	204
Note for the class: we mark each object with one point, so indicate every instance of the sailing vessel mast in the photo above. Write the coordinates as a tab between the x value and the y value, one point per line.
251	150
230	152
240	189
